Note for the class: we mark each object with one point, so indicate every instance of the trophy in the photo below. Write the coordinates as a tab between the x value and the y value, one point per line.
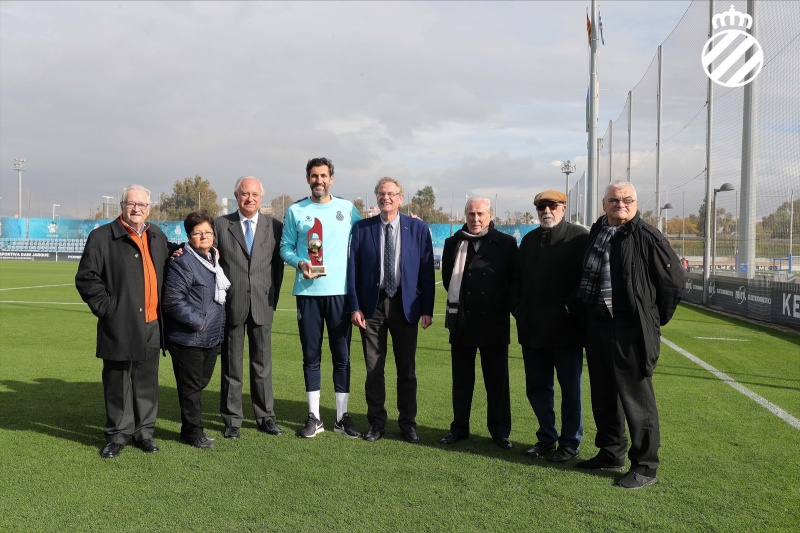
315	249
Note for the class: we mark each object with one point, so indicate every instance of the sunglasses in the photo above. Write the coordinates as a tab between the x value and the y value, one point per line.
541	206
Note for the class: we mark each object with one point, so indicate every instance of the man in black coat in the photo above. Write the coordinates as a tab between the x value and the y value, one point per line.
548	328
477	263
631	284
120	276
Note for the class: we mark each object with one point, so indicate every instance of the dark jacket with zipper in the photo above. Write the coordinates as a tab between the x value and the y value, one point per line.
484	312
192	316
544	285
653	280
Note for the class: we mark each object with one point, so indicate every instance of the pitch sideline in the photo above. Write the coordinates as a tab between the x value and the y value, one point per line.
760	400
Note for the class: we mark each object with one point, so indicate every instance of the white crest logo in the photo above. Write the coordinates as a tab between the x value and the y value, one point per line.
728	49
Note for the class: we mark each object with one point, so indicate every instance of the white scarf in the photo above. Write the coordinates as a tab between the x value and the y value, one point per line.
222	283
454	290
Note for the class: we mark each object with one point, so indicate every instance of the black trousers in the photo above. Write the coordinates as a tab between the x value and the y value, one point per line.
130	389
389	318
620	393
494	365
193	367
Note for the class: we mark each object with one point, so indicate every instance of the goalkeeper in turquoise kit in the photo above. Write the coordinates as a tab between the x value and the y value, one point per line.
316	231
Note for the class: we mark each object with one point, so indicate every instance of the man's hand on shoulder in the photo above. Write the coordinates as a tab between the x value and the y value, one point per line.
177	253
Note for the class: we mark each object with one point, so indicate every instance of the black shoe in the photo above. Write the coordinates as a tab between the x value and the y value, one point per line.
374	433
540	449
111	450
204	443
410	434
562	455
231	433
147	446
452	438
635	480
268	425
502	442
599	463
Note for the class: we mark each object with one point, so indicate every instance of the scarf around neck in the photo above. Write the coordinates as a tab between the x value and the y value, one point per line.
221	281
454	290
595	284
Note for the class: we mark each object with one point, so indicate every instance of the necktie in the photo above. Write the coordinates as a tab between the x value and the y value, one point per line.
389	283
248	235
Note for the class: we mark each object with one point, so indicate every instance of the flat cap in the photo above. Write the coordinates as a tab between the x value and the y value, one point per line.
550	195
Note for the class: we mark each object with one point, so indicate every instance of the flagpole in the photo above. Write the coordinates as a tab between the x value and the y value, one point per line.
591	178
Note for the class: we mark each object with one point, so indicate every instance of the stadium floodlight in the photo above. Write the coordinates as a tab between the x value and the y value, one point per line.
725	187
567	168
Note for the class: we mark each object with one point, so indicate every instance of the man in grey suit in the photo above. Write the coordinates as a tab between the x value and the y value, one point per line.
248	243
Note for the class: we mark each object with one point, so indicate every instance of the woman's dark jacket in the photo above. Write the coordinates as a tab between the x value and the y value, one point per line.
653	279
544	286
192	317
484	314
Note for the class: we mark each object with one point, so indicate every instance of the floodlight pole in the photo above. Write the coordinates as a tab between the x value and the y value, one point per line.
54	210
19	166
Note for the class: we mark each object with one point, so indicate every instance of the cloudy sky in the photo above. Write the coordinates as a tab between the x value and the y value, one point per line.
472	98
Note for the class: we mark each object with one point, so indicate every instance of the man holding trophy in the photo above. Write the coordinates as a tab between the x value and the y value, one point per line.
315	241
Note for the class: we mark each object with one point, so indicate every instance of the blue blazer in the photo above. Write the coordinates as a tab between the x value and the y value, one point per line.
416	267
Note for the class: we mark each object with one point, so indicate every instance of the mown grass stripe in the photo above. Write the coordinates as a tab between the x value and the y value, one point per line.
760	400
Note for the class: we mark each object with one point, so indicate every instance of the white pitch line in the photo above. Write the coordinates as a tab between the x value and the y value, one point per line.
760	400
36	287
722	339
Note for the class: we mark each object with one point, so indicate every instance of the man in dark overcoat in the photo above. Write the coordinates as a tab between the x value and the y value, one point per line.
477	263
120	276
631	283
548	326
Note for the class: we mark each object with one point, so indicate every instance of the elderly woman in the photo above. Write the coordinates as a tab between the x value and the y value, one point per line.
194	308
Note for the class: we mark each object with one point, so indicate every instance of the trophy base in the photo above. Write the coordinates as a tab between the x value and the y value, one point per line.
319	270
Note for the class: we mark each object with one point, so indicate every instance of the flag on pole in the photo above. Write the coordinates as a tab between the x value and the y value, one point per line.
600	24
589	27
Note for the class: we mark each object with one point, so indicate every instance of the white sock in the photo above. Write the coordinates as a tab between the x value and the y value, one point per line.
341	404
313	402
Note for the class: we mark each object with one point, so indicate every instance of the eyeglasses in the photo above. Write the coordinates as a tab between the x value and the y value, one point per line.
389	195
138	205
628	200
542	206
196	234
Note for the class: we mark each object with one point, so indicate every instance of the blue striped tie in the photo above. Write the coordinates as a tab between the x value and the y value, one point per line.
248	235
389	283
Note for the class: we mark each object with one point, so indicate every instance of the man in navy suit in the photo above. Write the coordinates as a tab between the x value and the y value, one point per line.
390	286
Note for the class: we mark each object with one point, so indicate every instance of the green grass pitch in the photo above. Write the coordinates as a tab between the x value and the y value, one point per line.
728	463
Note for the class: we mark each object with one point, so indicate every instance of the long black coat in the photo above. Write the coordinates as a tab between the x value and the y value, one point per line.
484	315
544	284
110	280
653	283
